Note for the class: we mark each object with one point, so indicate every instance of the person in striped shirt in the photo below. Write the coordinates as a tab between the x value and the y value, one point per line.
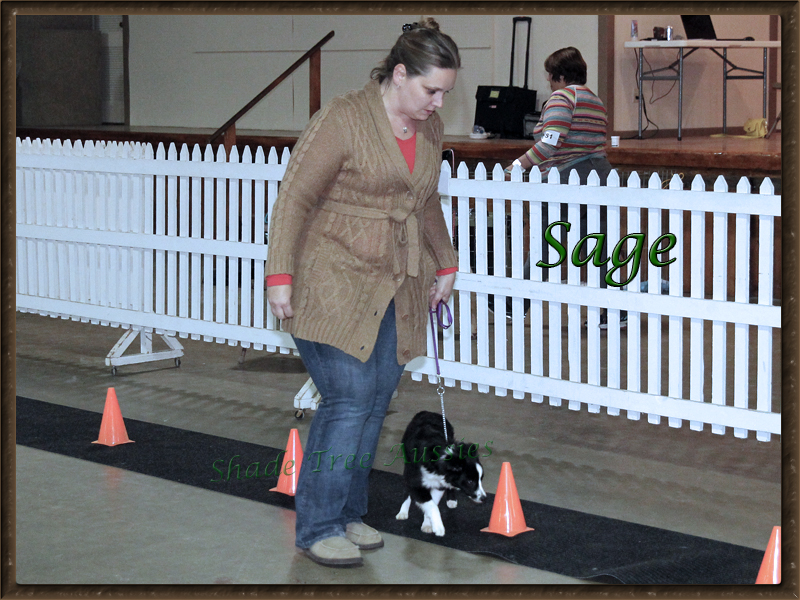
571	134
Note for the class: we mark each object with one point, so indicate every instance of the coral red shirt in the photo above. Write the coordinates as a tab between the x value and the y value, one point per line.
409	149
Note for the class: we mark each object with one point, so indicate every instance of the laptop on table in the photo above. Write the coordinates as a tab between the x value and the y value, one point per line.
700	27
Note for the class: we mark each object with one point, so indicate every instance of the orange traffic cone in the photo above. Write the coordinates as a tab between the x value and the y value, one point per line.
770	571
290	469
112	427
507	518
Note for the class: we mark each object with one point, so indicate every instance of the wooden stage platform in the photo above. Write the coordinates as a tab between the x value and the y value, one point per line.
709	156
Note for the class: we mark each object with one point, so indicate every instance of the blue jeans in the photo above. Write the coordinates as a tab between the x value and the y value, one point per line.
332	488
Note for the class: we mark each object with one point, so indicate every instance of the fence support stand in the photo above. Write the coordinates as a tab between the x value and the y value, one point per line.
307	397
115	358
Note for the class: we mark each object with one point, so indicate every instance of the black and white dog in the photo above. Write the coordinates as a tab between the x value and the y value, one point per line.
433	467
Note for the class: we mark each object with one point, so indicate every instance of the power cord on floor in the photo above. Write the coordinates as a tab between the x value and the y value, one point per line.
665	182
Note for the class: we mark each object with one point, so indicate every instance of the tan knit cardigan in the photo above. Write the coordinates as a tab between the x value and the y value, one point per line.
355	228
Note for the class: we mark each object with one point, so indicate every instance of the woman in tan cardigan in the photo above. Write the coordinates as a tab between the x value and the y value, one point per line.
358	251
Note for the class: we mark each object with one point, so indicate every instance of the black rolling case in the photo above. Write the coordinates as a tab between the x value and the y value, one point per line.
501	110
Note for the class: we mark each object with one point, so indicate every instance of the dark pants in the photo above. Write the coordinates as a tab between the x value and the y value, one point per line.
583	169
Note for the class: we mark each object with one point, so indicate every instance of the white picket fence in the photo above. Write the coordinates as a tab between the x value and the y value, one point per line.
174	243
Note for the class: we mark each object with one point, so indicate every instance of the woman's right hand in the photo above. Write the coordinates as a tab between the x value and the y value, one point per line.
280	301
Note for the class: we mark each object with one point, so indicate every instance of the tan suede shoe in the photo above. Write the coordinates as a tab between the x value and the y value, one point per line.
335	552
364	536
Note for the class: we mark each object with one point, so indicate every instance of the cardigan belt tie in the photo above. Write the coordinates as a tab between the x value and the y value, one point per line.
406	230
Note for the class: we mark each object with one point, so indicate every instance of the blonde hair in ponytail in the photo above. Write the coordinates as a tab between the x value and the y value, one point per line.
421	47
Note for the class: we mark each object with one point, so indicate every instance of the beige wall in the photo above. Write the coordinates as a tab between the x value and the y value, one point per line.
702	87
197	71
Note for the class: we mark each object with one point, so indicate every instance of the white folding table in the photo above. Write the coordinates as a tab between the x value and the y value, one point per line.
718	47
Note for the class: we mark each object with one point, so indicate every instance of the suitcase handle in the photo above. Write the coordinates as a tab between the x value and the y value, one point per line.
513	47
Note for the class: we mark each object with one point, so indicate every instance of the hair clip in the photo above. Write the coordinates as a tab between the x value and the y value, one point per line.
410	26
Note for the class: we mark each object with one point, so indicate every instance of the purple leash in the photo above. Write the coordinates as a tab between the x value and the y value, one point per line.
440	310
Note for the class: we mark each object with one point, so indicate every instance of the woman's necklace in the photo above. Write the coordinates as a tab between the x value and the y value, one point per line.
404	129
386	104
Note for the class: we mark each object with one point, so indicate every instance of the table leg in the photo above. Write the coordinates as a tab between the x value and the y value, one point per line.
724	90
764	111
641	50
680	93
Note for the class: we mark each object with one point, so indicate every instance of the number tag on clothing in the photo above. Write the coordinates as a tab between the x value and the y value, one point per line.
550	137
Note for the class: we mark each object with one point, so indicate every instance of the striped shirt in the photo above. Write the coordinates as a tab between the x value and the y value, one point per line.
578	116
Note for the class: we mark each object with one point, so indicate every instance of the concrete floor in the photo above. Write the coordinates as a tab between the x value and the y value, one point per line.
82	523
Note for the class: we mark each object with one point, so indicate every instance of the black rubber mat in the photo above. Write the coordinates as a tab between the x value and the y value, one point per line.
564	541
